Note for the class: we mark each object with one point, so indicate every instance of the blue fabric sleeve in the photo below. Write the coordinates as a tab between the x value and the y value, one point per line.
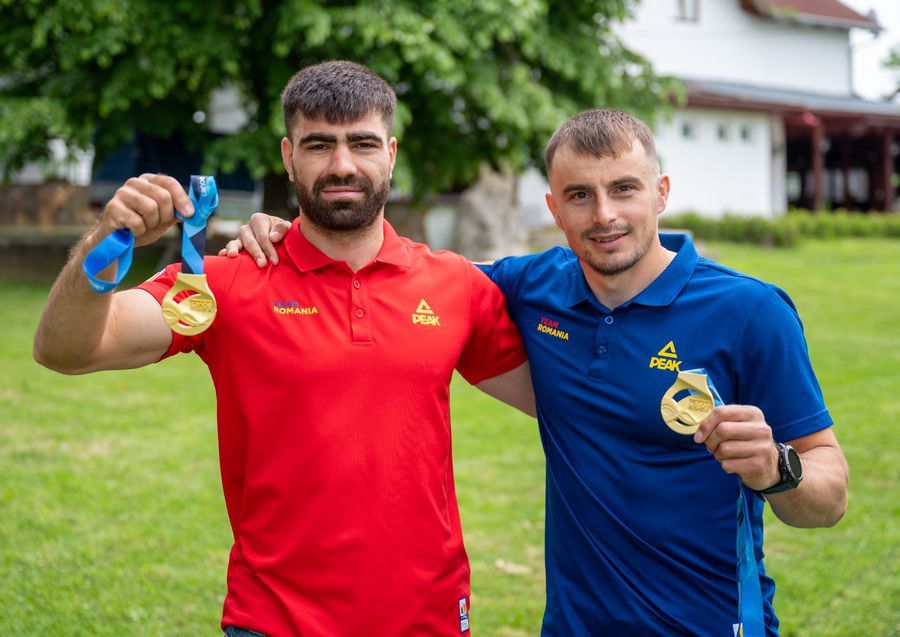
505	273
774	371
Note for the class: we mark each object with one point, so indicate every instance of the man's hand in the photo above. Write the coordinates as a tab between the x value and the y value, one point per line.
741	440
258	238
145	205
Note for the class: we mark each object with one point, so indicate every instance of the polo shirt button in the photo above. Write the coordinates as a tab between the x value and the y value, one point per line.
609	320
601	349
356	284
359	313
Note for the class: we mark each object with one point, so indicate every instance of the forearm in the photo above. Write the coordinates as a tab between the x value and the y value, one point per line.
74	319
821	497
513	388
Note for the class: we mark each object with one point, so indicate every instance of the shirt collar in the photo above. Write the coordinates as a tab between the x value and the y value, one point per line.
664	288
672	280
308	257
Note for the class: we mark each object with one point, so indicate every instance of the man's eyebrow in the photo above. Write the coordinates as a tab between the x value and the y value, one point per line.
318	137
363	136
627	180
578	187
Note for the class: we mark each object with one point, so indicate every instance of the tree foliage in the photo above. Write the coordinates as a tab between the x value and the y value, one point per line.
893	63
477	79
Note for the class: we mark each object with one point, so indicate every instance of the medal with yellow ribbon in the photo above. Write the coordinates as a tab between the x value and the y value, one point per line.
189	307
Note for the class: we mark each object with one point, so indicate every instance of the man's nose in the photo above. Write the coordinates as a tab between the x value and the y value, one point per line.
342	162
604	211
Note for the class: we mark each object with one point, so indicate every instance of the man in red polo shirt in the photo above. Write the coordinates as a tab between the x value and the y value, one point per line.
332	374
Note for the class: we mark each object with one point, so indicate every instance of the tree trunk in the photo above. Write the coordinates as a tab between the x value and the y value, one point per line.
490	222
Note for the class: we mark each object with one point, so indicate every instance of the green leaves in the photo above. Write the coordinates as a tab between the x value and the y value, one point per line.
477	79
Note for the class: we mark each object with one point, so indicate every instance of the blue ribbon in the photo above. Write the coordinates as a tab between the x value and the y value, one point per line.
751	622
205	197
119	245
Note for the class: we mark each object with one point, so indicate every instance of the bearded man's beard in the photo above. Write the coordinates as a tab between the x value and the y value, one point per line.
343	215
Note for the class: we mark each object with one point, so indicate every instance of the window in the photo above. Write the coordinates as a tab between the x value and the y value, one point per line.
688	10
722	131
687	130
746	133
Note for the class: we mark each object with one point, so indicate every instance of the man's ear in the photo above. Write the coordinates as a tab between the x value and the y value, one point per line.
662	193
392	149
286	150
551	204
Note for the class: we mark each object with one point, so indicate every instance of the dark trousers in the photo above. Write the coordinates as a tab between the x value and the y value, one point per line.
234	631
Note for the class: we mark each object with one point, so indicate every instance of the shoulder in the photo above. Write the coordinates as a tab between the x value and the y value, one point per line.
730	285
556	261
744	303
422	252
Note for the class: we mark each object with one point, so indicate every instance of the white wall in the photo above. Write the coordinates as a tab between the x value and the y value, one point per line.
71	165
729	44
713	176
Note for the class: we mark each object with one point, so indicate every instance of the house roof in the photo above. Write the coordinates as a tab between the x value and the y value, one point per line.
828	13
757	98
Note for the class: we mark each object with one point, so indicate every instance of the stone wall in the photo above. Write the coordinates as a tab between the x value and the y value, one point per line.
48	205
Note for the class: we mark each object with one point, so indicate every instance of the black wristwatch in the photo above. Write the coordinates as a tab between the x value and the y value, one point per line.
790	467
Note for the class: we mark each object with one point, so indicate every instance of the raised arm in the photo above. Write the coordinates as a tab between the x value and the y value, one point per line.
81	331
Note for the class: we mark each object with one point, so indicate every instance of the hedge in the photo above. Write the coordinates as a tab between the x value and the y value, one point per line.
786	230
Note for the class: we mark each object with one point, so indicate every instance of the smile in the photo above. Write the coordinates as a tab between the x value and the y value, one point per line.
607	240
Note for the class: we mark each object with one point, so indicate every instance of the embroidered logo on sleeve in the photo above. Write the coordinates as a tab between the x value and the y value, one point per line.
463	615
666	359
424	315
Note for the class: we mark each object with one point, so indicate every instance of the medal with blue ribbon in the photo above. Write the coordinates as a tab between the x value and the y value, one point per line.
189	307
685	404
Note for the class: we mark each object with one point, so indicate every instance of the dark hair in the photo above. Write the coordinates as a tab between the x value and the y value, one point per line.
338	92
600	132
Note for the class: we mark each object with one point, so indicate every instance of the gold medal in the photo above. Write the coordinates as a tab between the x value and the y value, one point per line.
687	402
194	312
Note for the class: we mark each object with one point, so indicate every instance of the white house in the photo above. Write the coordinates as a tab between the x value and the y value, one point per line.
771	119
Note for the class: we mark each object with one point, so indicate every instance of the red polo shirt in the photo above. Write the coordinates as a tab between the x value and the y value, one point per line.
334	433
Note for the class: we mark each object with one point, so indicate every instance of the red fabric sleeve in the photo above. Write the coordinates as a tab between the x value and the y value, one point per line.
494	345
220	275
158	286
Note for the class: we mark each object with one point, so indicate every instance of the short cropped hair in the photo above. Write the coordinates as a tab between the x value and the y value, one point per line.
339	92
600	132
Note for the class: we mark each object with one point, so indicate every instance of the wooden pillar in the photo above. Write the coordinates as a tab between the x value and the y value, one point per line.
845	170
887	171
818	165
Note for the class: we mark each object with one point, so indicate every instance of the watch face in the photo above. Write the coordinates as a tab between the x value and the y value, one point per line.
793	462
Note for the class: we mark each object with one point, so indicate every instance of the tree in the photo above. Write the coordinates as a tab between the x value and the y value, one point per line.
893	63
478	80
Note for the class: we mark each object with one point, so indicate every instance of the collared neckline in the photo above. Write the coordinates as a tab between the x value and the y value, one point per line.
308	257
664	288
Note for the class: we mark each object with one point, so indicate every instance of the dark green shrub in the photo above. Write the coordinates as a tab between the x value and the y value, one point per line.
786	230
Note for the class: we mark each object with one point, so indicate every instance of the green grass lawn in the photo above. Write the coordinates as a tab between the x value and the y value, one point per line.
112	520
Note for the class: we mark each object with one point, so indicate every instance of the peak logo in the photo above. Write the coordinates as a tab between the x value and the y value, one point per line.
424	315
666	359
293	307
